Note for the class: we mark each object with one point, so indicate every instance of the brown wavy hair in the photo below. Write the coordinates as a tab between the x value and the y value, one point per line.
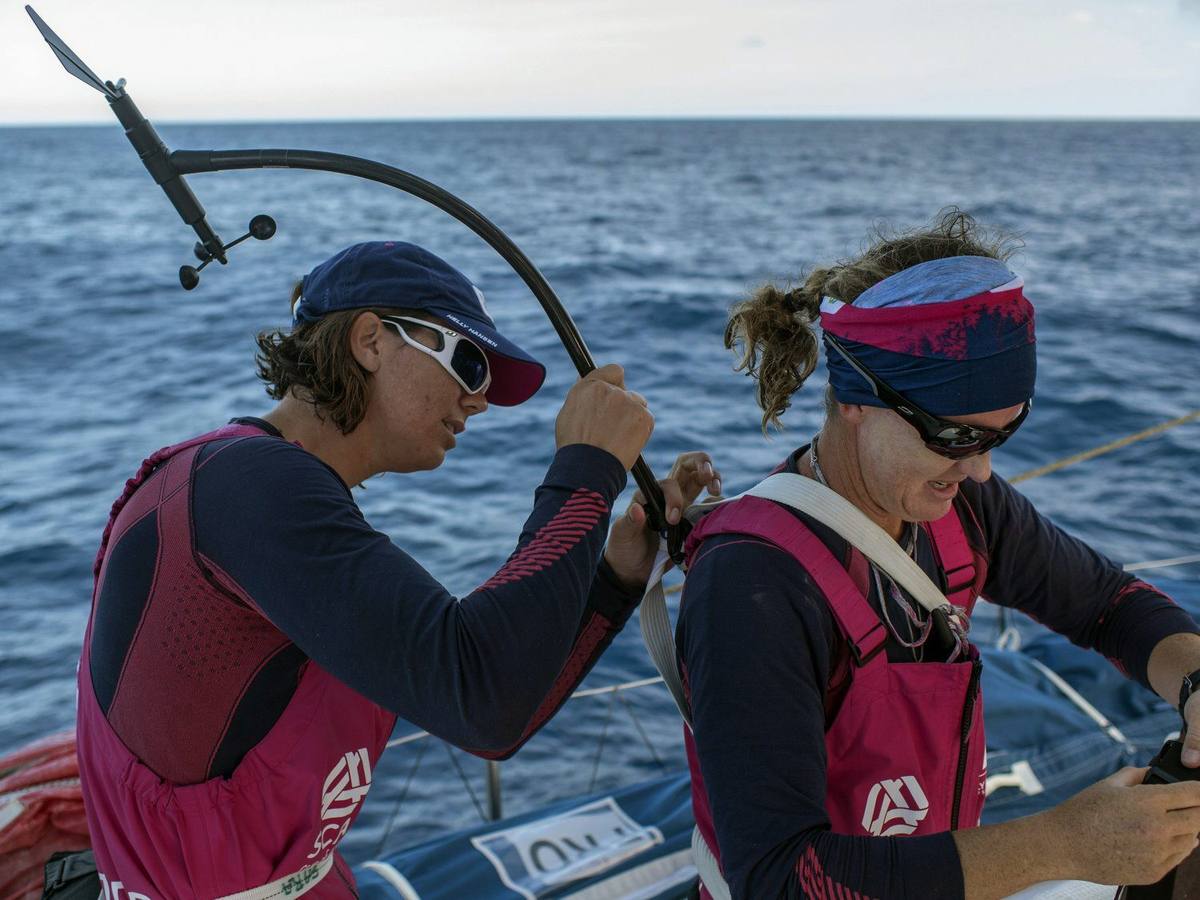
774	326
313	361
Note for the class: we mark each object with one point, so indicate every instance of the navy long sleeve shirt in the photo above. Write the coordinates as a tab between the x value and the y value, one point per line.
758	643
483	672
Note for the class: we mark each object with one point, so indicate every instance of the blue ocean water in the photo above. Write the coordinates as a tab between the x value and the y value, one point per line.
648	231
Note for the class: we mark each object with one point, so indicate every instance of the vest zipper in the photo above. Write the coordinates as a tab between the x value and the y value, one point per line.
964	738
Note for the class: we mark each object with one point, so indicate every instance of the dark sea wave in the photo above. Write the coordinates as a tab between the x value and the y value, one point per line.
648	231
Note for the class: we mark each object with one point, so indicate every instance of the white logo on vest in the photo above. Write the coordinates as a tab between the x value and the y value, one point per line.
895	806
115	890
345	786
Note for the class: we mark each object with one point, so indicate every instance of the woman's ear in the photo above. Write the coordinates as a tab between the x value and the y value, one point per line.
851	412
366	341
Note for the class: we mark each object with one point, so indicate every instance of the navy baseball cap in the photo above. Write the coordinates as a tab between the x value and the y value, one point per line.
401	275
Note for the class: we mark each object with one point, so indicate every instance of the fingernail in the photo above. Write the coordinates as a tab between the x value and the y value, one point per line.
1191	757
708	468
673	517
715	489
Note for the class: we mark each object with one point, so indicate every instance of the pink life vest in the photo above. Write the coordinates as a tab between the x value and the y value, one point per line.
905	751
290	799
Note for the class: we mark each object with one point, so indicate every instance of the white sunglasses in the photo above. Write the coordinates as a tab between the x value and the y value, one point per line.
458	355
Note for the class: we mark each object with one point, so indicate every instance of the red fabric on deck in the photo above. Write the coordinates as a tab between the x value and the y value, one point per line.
40	784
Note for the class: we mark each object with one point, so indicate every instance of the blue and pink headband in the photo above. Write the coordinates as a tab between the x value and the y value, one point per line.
953	335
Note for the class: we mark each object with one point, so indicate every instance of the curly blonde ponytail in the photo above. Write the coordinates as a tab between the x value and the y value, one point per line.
776	328
778	341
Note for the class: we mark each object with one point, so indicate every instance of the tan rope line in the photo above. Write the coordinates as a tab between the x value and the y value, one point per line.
1106	448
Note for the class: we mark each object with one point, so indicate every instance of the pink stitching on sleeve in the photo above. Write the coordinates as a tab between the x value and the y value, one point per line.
553	540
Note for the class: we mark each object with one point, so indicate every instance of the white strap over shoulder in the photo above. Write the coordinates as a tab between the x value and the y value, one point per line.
658	633
827	507
830	508
708	868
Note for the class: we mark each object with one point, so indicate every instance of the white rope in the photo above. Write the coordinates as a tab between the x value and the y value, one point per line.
1078	699
1163	563
407	739
392	876
617	688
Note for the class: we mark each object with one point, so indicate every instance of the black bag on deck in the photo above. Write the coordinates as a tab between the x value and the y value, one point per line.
72	875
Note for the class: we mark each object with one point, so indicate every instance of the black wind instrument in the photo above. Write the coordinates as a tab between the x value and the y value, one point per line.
168	169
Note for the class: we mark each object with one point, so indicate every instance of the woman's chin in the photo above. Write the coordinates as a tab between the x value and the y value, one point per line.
928	508
423	462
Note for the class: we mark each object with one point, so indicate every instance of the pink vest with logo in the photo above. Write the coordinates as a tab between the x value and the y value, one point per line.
905	751
290	799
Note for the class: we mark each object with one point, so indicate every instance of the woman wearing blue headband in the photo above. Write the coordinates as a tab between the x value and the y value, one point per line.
858	769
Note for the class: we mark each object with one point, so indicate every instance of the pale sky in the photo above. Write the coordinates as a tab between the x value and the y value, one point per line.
356	59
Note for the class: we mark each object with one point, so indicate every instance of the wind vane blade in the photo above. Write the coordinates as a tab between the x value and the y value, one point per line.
67	57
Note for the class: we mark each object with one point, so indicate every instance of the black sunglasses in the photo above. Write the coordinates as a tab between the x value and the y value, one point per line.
952	440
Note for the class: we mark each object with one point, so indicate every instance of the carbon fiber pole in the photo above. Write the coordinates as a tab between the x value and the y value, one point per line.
168	170
186	162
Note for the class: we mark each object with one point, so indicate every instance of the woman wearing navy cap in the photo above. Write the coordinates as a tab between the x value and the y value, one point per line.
253	639
858	769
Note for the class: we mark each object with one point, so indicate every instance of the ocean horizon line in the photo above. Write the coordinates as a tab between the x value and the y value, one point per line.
618	119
